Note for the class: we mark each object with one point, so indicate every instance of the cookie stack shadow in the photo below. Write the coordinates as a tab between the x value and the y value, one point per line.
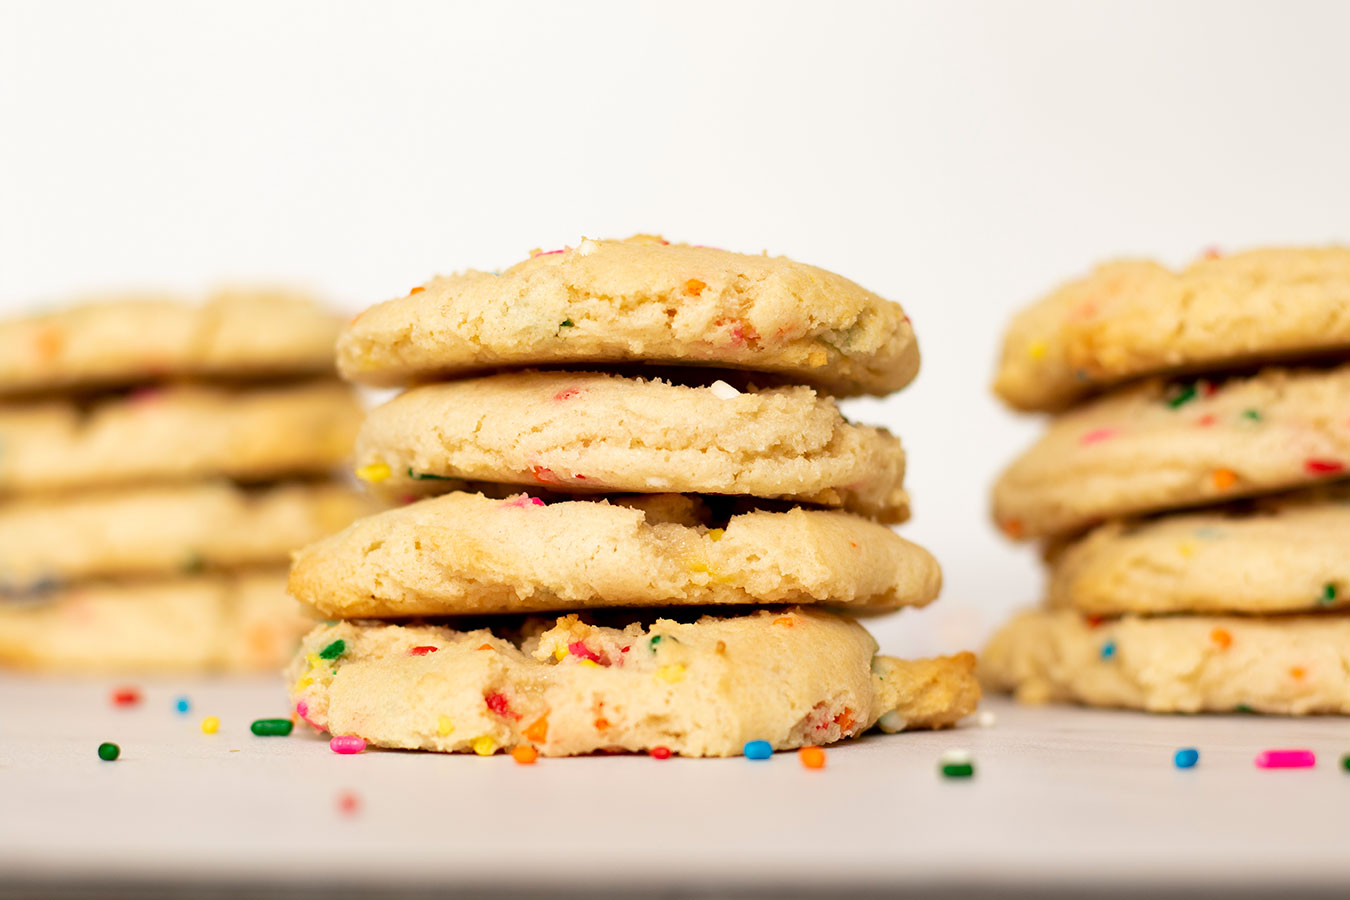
1191	491
634	518
159	461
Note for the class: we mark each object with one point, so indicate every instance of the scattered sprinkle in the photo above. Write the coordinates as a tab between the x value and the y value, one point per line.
785	621
1297	672
374	472
1223	479
524	754
210	725
1323	466
812	757
1286	759
427	476
444	726
271	727
1328	594
587	247
1251	414
1221	638
422	650
1186	758
758	750
483	745
892	722
182	705
1037	350
986	719
484	646
1345	762
1181	394
109	752
333	650
579	648
694	287
348	803
1013	528
1108	650
566	323
497	702
1097	435
664	753
417	290
127	696
715	534
347	744
1207	420
723	391
537	731
956	764
671	674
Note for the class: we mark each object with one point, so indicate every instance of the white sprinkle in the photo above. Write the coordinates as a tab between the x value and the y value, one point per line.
654	481
956	757
587	247
723	391
986	719
893	722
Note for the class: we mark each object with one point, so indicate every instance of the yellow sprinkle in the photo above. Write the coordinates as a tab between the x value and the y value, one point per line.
670	674
444	726
715	534
1186	549
304	682
700	567
816	359
313	660
484	745
560	653
1037	350
588	662
374	472
210	725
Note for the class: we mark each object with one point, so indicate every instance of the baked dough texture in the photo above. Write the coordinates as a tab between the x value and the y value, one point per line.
167	530
1294	665
1134	318
791	677
640	300
130	340
177	434
1281	554
1163	445
464	553
588	433
243	623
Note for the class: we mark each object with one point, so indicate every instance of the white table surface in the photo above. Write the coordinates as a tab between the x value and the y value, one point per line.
1062	799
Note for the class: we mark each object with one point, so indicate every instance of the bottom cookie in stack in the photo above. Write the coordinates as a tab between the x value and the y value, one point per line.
700	686
1233	608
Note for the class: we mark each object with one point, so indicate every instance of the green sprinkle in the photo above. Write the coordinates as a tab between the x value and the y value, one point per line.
109	752
1182	394
333	650
651	645
425	476
1345	762
1328	594
271	727
1251	414
958	770
566	323
1244	708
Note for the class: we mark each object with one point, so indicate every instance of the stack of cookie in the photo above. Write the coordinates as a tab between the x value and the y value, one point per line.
681	518
159	460
1190	490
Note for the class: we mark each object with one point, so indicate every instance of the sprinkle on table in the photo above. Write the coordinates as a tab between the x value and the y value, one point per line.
1186	758
109	752
348	803
1286	759
1345	762
210	725
664	752
271	727
346	744
524	754
956	764
812	757
758	750
182	706
126	696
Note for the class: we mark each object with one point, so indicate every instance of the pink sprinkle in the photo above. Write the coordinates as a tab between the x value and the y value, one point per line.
577	648
521	502
302	710
1286	759
1206	420
145	395
567	394
549	253
1212	253
1099	435
347	744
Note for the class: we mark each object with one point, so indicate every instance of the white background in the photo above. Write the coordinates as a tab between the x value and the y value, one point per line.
960	158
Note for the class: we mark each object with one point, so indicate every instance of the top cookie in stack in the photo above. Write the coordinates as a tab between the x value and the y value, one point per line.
695	459
159	460
1170	492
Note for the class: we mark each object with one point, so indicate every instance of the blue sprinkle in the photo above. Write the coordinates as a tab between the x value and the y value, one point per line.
758	750
1108	649
1186	758
182	705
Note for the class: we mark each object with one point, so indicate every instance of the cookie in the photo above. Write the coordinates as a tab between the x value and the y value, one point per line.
119	342
165	531
641	300
1129	319
203	623
702	688
1165	445
465	553
587	433
1291	665
176	434
1275	555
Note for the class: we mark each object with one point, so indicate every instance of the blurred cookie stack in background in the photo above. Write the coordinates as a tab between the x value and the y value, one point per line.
1189	490
683	506
159	460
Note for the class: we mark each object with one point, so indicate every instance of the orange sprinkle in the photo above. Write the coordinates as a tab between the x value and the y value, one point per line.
50	342
1013	529
785	621
812	757
1298	671
694	287
601	723
417	290
484	646
524	754
845	719
1094	621
538	730
1224	479
1221	637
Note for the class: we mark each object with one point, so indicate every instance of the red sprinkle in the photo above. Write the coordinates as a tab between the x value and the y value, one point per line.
567	394
348	803
497	702
422	650
577	648
127	696
661	752
544	475
1324	466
